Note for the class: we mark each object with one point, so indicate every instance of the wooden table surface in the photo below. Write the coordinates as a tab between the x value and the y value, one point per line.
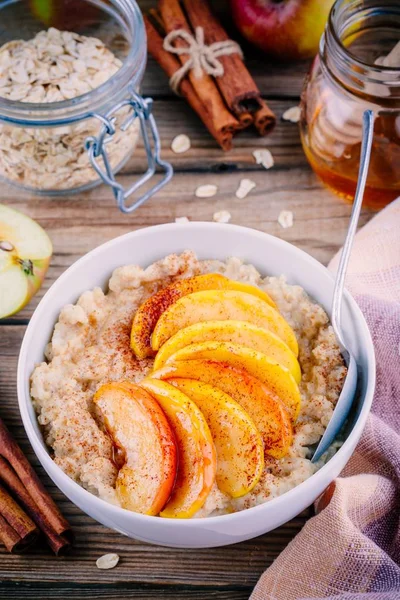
78	223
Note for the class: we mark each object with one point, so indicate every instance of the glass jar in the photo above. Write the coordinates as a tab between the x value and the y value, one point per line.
70	109
358	67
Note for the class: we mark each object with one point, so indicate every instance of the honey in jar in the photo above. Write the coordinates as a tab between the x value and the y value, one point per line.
358	67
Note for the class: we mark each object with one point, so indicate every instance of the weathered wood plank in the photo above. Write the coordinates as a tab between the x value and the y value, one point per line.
239	565
175	116
78	224
116	591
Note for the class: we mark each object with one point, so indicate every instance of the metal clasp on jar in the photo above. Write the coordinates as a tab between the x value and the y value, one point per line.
96	148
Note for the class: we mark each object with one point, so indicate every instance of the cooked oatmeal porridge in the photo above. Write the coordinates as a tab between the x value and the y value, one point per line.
90	346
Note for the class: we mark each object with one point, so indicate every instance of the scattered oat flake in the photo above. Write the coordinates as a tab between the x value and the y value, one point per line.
285	219
180	144
264	157
107	561
292	114
206	191
222	216
245	187
182	220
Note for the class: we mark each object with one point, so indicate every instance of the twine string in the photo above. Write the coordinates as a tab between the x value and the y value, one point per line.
202	58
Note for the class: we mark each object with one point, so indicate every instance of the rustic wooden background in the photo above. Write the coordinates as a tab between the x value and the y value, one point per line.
77	224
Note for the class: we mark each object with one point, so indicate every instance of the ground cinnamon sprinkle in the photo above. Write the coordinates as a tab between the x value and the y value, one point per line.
149	313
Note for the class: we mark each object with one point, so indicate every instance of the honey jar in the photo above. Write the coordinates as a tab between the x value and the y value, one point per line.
358	67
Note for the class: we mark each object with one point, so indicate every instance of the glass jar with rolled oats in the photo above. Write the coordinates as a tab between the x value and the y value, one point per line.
71	113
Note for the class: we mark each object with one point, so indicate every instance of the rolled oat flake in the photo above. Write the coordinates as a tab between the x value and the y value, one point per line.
285	219
206	191
222	216
180	144
245	187
107	561
264	157
292	114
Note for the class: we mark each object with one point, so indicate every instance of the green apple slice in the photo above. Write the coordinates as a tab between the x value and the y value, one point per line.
25	252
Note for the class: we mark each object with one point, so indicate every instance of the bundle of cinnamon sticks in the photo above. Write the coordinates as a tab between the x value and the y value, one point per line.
25	506
226	104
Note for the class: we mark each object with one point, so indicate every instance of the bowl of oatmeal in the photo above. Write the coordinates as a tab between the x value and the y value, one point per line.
145	353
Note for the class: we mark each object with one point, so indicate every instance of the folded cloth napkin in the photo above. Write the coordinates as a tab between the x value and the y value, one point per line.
351	549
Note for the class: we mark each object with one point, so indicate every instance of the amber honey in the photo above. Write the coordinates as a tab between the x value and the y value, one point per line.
383	184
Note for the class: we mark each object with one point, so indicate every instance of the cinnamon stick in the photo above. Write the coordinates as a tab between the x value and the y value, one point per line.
170	65
24	528
11	539
204	86
245	119
264	119
50	513
156	18
58	543
237	86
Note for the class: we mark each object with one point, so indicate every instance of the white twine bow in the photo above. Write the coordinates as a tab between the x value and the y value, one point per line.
202	58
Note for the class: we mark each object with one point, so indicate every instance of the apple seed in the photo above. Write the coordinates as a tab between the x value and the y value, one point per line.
6	246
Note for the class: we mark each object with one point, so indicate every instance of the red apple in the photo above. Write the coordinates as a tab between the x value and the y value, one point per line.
67	15
287	29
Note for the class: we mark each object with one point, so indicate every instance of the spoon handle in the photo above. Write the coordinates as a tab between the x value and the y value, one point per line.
347	394
366	147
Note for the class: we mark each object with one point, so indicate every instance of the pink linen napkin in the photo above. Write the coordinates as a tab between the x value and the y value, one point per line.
351	549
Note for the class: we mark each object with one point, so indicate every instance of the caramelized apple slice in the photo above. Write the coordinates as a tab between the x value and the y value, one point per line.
197	458
138	426
221	305
148	314
239	447
265	408
277	378
236	332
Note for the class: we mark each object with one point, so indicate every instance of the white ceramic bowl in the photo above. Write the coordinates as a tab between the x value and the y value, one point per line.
209	240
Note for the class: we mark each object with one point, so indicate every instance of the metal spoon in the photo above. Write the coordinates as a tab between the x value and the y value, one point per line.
346	397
